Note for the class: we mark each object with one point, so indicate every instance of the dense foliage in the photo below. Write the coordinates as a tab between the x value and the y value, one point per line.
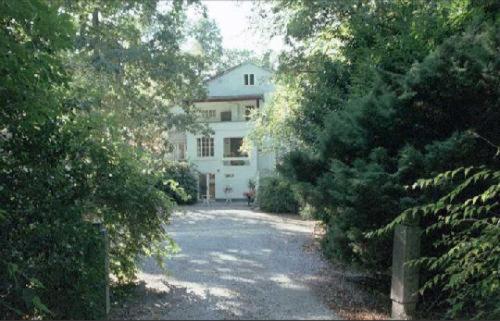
372	96
463	223
180	183
85	91
275	195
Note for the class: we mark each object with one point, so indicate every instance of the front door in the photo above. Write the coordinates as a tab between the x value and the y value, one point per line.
206	185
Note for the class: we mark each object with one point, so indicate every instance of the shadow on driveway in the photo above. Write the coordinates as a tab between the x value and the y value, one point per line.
235	263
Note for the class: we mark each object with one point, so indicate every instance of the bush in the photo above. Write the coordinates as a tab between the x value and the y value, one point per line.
308	212
463	226
60	169
50	266
180	183
275	195
403	129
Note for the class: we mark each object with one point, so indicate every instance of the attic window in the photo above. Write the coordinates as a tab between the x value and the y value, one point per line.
249	79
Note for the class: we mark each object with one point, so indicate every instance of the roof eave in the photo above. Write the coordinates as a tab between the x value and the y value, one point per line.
228	98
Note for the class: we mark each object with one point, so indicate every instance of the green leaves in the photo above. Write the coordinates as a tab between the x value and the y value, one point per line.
373	97
130	66
178	181
33	300
39	305
467	219
276	195
79	115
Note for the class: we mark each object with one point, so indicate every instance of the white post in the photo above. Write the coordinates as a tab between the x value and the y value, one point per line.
404	285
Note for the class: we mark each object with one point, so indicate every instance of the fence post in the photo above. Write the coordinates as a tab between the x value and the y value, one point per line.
104	234
404	284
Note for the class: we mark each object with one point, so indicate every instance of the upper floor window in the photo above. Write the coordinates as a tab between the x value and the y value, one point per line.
225	116
205	147
208	114
249	79
232	147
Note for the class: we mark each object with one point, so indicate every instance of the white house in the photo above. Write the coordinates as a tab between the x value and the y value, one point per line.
223	166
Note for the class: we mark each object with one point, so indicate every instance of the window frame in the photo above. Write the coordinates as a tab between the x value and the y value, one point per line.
228	154
205	147
249	79
226	112
208	114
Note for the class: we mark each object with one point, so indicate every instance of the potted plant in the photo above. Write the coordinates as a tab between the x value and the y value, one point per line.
250	195
227	191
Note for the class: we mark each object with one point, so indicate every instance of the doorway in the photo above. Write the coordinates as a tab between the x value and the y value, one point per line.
206	186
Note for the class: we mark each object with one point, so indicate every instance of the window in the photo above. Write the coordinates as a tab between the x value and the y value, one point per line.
232	147
208	114
248	112
205	147
249	79
229	175
180	151
225	116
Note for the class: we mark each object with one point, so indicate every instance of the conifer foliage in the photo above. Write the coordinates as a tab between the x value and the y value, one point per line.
380	94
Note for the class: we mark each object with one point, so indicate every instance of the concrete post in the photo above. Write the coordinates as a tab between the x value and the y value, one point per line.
104	233
105	250
404	285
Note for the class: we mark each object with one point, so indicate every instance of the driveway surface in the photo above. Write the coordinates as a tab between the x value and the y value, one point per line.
235	263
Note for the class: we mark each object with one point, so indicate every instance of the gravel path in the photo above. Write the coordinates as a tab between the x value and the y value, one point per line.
235	263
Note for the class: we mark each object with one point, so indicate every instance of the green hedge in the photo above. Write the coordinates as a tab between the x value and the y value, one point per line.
275	195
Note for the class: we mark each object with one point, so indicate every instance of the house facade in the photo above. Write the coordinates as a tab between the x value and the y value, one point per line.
224	169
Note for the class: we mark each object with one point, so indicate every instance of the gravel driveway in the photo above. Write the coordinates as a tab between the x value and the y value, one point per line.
235	263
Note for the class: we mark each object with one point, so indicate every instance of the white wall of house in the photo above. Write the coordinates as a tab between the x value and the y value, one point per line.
235	176
231	83
231	94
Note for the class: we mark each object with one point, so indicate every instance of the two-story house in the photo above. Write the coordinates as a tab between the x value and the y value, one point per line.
222	165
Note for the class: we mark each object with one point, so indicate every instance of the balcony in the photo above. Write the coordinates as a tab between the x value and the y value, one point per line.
227	111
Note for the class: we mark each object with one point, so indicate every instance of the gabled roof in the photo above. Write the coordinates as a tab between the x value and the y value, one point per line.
222	73
229	98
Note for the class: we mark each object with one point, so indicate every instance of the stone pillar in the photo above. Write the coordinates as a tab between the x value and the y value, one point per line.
105	251
404	285
104	233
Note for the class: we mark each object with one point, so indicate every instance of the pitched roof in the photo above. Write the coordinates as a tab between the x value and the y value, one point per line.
229	98
222	73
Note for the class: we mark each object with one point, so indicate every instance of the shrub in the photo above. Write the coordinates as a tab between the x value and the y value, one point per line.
404	128
180	183
60	169
275	195
49	251
463	225
308	212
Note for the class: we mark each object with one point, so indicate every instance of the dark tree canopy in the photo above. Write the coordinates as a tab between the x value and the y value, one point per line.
378	94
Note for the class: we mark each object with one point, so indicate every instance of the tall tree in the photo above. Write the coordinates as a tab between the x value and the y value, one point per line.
130	63
78	80
376	95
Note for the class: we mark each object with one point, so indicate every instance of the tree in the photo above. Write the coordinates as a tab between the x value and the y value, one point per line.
129	66
77	82
377	95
